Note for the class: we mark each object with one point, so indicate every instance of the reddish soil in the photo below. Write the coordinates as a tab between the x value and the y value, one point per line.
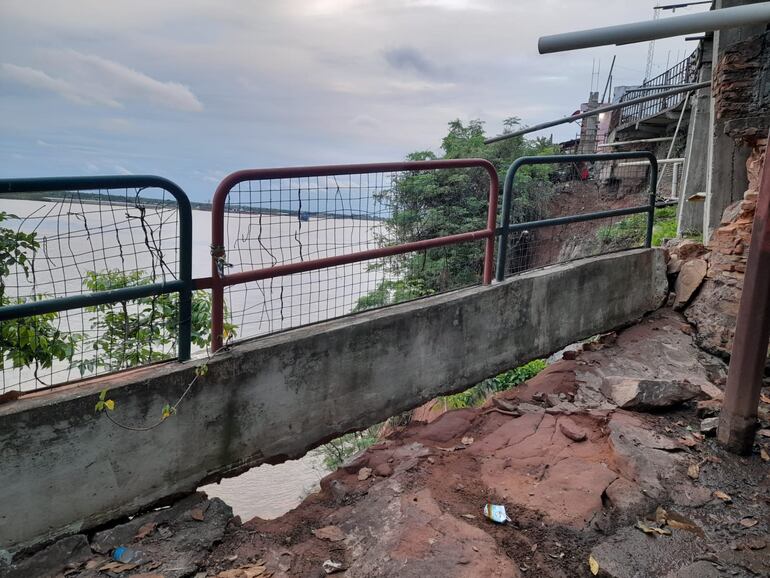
638	494
419	511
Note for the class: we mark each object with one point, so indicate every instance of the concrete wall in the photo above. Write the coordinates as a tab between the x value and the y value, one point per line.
727	179
695	177
65	468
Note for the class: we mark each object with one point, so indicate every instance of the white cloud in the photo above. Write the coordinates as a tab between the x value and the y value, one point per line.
93	80
130	83
37	79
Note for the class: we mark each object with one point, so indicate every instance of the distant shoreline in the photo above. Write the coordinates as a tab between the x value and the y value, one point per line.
97	199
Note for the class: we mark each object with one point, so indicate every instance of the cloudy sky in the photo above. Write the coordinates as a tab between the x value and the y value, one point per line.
194	89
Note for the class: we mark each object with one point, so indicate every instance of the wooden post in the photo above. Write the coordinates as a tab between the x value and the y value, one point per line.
738	420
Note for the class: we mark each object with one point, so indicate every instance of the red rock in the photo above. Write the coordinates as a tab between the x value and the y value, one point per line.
571	430
708	407
689	280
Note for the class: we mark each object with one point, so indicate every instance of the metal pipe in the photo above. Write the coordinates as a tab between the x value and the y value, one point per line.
738	419
325	262
637	141
657	87
660	162
596	111
676	133
654	29
568	220
31	308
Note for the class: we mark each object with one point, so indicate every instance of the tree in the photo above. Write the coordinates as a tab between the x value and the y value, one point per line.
430	204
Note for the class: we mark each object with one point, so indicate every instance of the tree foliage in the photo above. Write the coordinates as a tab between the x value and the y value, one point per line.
128	333
131	333
31	341
430	204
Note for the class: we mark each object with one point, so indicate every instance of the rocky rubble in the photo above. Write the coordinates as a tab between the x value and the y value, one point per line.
635	493
587	485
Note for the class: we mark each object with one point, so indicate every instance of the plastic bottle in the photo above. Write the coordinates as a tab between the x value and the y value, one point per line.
127	555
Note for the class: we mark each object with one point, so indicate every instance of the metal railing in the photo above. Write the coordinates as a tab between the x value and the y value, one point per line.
331	224
81	234
682	73
327	195
506	227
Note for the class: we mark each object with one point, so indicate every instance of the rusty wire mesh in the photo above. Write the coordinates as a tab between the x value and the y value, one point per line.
281	221
81	242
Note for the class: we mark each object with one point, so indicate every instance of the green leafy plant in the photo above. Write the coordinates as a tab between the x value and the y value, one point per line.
104	403
479	393
432	204
633	230
131	333
30	341
337	451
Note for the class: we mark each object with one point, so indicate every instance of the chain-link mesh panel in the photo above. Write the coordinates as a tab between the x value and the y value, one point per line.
576	188
274	222
69	243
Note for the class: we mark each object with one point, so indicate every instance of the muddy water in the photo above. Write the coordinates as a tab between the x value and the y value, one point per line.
270	491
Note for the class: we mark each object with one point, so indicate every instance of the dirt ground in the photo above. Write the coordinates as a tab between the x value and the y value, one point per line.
413	504
589	488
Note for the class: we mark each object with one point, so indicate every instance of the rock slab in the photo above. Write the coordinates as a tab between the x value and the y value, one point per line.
649	394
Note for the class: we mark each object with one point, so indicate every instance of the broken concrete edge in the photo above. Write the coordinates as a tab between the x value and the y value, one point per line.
250	408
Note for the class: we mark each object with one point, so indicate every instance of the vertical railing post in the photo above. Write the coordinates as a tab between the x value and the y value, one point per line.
184	335
738	419
489	245
653	198
502	246
217	261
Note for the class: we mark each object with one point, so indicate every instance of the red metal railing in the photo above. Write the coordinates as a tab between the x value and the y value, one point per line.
219	280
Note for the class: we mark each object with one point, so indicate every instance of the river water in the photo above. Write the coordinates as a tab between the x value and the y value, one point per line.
77	238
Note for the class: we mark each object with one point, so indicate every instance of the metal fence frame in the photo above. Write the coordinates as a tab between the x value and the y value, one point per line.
219	280
682	73
506	227
183	285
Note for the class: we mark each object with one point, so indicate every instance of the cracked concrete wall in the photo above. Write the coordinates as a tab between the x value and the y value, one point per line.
66	469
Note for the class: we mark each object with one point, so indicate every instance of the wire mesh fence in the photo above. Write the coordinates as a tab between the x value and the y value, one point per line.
273	222
68	243
568	189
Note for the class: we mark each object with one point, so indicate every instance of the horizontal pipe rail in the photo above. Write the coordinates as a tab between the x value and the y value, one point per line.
575	218
219	280
654	29
597	111
637	141
325	262
30	308
656	87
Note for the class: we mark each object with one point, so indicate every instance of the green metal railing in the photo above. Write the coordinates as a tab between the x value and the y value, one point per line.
506	227
183	285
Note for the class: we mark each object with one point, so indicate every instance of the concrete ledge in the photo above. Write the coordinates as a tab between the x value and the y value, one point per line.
66	469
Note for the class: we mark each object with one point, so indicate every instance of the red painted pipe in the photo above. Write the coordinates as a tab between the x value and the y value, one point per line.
219	282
